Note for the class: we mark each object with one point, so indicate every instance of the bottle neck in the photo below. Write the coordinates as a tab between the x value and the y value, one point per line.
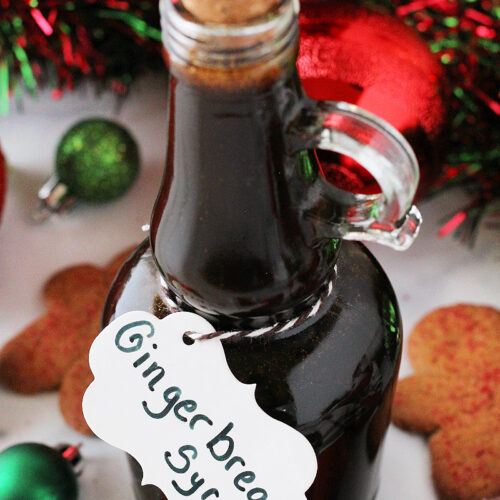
230	57
226	231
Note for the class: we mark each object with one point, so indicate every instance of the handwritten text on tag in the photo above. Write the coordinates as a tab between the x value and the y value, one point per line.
179	411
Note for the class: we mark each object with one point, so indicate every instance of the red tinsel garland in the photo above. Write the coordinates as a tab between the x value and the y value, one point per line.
464	35
56	42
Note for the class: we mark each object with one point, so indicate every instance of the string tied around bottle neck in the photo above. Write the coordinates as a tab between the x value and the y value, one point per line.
278	327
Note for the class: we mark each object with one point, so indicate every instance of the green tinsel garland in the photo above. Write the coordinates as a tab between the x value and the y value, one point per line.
464	36
55	43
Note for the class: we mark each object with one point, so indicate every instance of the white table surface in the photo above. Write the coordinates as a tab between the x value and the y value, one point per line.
434	272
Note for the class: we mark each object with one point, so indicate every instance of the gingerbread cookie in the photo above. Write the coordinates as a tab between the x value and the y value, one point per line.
36	359
455	394
427	402
64	289
73	387
449	334
39	357
466	457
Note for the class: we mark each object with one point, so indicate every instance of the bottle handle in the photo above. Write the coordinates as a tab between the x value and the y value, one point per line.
388	218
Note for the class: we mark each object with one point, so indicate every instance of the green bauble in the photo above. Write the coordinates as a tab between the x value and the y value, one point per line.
32	471
97	159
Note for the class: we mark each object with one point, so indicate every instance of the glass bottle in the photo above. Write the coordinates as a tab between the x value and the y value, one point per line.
246	232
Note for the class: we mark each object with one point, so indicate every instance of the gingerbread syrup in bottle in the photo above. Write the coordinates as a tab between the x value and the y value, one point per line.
246	233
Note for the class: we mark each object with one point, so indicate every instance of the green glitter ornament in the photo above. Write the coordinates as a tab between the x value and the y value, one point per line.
33	471
97	160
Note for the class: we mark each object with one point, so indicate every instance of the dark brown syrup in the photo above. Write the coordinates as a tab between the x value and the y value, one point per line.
230	237
227	231
332	380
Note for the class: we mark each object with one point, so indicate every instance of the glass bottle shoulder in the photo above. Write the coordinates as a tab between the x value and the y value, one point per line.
328	371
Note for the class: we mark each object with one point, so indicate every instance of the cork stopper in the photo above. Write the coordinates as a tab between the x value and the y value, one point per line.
229	11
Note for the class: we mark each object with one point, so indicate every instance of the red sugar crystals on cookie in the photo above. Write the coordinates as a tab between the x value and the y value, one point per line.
455	394
466	458
448	333
426	402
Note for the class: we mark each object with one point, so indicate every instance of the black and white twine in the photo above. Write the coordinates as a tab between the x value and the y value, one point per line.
278	327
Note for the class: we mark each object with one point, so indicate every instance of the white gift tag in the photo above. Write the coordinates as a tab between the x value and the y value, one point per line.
196	431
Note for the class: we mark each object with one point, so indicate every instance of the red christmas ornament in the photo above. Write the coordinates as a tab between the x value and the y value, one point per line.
3	181
370	58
